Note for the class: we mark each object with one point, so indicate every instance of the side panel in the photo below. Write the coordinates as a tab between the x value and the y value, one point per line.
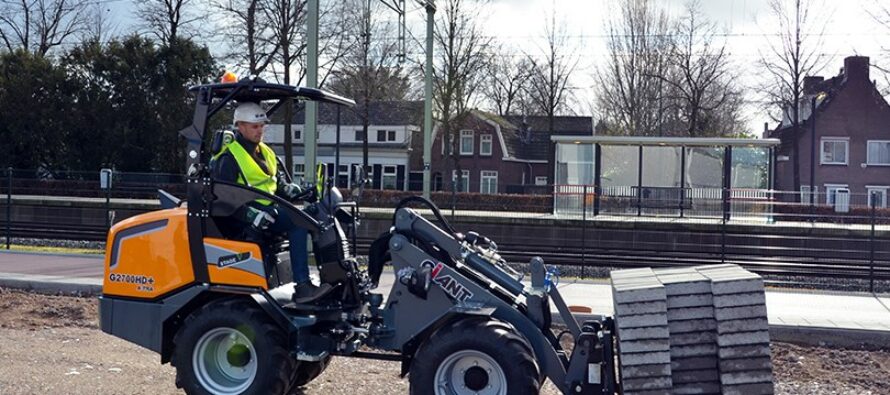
148	255
136	322
235	263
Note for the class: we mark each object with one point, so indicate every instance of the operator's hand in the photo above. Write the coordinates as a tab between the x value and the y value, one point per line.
259	219
293	191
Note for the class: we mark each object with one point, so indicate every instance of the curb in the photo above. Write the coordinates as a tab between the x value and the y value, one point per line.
52	285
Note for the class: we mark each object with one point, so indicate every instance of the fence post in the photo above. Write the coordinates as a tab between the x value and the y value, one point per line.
723	227
8	206
453	197
872	199
584	233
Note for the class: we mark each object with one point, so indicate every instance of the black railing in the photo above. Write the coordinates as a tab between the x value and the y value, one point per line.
770	232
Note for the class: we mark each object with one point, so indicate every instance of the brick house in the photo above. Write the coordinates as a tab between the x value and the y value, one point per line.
498	154
852	132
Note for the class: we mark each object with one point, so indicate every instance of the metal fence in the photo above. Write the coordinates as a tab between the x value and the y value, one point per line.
771	232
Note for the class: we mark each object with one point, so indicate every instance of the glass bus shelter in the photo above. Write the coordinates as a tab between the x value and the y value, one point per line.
663	176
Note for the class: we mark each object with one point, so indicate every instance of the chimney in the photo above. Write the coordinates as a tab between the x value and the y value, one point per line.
856	67
811	83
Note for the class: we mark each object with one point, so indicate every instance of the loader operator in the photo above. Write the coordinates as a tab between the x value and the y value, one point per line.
248	161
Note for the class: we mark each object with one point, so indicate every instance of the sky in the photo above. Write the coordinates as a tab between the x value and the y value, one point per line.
746	25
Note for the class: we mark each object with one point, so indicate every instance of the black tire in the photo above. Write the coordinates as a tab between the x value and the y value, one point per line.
305	372
273	364
495	340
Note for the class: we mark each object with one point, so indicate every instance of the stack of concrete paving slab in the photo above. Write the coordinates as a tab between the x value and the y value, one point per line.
639	300
742	330
692	328
696	330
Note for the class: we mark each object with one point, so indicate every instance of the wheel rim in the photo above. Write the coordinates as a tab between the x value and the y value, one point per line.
224	361
470	372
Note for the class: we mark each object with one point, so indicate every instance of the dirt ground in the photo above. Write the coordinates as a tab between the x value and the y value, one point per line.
52	345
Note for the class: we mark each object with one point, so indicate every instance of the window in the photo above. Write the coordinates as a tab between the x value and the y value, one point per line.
879	193
298	134
343	177
446	146
386	135
805	194
466	142
831	192
541	180
835	150
299	171
359	135
485	144
389	178
464	184
489	182
878	153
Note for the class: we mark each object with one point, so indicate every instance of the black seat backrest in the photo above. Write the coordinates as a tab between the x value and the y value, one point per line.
220	139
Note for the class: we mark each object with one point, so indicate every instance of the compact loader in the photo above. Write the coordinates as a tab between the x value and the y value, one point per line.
185	283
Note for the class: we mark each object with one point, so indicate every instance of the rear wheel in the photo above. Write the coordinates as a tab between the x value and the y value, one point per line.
231	347
475	356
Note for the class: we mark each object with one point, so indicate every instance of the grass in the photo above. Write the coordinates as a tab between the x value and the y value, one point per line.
54	250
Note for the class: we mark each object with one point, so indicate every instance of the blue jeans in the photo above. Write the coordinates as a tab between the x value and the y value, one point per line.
299	253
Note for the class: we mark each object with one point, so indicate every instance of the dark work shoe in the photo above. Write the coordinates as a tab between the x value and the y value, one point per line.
308	292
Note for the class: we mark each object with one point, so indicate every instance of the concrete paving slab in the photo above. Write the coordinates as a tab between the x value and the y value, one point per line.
658	370
738	313
746	351
649	358
696	388
748	377
682	339
653	333
736	300
701	325
695	376
749	389
694	363
743	338
700	300
693	350
642	346
745	325
690	313
639	320
642	308
648	383
639	294
745	364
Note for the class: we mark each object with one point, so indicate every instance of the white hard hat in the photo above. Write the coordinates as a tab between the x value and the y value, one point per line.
250	112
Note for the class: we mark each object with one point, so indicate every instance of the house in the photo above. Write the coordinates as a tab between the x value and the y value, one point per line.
852	139
497	154
394	126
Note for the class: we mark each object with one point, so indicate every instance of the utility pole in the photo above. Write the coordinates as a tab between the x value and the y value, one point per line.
428	98
311	120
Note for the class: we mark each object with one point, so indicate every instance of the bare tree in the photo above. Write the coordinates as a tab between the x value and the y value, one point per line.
699	79
250	35
548	86
287	18
880	11
506	82
630	96
791	56
370	70
100	27
458	69
169	20
40	25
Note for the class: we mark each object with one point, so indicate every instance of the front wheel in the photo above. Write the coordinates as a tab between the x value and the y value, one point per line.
231	347
475	356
